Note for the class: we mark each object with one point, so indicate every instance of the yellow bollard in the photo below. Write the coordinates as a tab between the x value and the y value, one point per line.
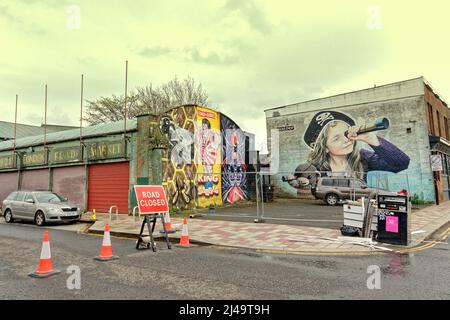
94	216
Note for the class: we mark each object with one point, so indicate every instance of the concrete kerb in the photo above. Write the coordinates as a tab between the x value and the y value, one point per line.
437	225
173	238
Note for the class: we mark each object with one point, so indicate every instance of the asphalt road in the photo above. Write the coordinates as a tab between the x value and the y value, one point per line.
209	272
303	212
311	213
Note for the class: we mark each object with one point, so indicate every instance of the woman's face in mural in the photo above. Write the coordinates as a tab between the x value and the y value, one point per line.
336	142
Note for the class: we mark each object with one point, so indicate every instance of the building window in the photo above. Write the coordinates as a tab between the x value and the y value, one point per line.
439	123
446	128
430	119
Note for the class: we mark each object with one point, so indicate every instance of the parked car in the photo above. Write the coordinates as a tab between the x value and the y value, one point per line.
335	189
39	206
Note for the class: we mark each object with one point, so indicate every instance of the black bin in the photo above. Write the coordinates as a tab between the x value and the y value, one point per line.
393	219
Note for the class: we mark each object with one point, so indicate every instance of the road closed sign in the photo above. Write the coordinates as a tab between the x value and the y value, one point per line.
151	199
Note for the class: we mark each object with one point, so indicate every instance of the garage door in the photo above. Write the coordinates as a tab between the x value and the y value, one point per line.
35	179
8	183
108	185
70	183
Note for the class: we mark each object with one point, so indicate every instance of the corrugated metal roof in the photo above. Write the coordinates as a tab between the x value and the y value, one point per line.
74	134
26	130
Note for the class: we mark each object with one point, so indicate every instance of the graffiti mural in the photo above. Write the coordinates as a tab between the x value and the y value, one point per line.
208	157
178	163
205	161
234	178
333	140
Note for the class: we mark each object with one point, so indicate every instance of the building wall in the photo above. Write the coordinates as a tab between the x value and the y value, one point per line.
408	131
441	115
189	159
74	144
402	89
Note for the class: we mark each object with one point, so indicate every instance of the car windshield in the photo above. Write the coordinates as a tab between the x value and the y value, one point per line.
49	197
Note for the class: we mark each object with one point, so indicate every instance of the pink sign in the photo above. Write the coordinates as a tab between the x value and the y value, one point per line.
391	224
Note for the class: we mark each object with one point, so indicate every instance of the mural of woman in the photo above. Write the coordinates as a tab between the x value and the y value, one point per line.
209	144
333	138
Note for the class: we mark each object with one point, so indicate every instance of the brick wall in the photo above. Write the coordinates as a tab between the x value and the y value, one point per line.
441	115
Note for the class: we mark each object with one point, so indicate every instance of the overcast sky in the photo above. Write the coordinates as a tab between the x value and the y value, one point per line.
249	55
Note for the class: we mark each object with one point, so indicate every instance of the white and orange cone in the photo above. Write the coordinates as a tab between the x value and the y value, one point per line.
168	224
184	240
106	252
45	268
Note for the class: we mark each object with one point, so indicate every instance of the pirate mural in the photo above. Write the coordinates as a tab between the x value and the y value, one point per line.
333	139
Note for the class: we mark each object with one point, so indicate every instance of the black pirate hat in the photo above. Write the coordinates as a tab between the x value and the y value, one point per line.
319	121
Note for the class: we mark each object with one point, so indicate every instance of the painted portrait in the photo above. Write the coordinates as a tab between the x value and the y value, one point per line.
334	139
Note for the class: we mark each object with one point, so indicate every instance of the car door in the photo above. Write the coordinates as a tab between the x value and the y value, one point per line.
17	204
343	186
360	192
29	208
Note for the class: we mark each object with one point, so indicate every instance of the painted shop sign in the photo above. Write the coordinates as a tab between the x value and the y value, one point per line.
8	162
62	155
36	158
286	128
105	150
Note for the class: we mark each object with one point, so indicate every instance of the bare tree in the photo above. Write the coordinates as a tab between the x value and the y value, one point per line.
148	99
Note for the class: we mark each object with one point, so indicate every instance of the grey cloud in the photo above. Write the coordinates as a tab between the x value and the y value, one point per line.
212	58
251	12
192	54
157	51
20	24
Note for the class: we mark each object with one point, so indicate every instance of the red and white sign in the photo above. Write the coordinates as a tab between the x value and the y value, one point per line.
151	199
205	114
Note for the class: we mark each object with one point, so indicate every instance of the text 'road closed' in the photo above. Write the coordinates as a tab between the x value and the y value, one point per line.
151	199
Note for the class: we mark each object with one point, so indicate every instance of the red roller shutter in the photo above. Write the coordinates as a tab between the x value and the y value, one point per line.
8	184
108	185
70	182
35	179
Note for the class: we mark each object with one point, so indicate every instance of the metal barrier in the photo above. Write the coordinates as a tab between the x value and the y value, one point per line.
253	196
117	212
134	216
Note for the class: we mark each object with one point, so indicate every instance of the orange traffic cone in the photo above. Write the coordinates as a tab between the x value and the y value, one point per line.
106	253
184	240
168	224
45	268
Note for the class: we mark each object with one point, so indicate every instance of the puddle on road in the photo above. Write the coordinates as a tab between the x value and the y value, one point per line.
397	264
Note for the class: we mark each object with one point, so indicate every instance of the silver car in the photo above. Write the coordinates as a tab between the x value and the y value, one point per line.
39	206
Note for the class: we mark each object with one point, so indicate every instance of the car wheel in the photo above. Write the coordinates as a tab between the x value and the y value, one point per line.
39	219
331	199
8	216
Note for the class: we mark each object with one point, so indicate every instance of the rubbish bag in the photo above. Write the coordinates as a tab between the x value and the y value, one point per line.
350	231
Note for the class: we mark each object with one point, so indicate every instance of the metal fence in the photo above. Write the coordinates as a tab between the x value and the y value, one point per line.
290	196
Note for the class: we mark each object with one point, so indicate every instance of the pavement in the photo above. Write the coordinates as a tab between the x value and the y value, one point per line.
278	238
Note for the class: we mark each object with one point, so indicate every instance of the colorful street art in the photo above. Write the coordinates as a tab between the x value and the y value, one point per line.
178	166
208	157
333	139
205	161
234	177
